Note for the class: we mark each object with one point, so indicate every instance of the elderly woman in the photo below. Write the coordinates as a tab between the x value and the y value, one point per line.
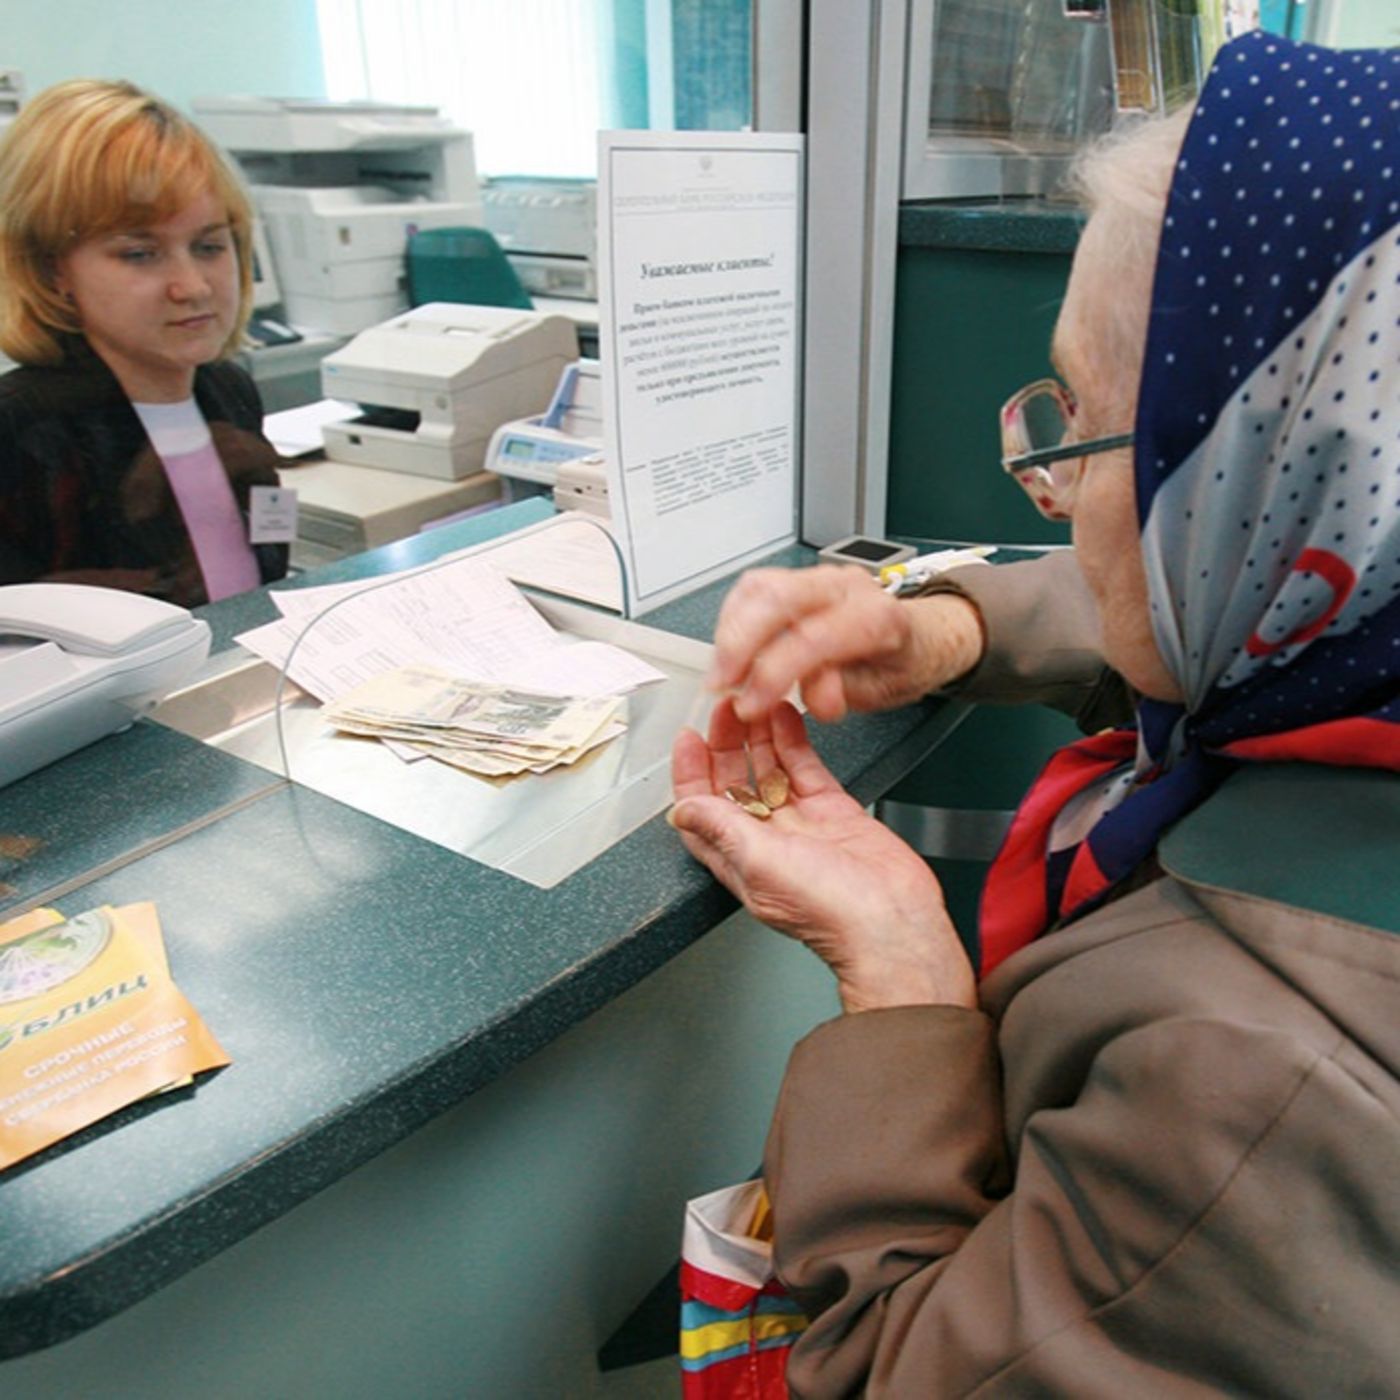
131	452
1157	1150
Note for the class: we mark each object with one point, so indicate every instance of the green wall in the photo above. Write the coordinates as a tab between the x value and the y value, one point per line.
972	325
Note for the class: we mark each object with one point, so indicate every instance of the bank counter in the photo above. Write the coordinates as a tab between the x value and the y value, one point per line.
450	1155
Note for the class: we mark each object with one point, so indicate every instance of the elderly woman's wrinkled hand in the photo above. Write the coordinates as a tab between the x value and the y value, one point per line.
819	868
833	632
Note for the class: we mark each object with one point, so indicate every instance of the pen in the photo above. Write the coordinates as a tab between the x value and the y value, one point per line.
922	567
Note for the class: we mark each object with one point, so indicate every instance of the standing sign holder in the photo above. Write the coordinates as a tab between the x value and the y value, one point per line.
700	327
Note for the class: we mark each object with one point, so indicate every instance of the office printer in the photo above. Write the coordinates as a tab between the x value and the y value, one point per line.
548	227
339	187
436	382
11	95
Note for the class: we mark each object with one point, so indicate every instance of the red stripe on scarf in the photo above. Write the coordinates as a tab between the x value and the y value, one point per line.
1013	897
1350	743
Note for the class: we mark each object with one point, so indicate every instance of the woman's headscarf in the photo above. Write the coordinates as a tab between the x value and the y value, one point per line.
1267	463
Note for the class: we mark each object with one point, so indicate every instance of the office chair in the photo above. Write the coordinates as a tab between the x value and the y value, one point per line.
463	265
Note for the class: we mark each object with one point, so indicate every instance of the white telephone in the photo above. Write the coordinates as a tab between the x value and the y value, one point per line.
78	663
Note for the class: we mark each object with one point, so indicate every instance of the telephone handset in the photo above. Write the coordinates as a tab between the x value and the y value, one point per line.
78	663
88	621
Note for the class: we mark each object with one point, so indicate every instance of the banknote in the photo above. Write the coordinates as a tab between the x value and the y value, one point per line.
421	697
491	730
491	763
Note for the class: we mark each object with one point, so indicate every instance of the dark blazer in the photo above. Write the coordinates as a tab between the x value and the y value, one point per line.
83	495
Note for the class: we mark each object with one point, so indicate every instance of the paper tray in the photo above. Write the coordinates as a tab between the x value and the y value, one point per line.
539	827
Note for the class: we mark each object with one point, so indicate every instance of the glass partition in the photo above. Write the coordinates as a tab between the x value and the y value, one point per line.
1001	92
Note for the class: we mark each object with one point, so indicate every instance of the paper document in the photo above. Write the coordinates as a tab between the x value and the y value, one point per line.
700	285
565	555
296	432
461	615
90	1021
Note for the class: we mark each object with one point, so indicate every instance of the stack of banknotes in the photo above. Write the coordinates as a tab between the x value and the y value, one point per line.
492	730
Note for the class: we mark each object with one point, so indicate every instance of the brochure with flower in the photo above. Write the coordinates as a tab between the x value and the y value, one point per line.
90	1021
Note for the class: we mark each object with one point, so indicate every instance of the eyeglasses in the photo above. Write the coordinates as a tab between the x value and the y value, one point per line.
1039	449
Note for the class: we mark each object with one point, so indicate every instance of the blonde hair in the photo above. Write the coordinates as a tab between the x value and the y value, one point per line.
83	158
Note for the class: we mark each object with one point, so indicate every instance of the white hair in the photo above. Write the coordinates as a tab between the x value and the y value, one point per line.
1123	179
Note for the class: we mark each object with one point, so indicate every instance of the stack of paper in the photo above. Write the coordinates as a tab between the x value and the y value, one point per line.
490	730
460	614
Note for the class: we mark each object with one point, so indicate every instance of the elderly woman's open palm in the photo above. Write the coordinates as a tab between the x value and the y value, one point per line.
821	868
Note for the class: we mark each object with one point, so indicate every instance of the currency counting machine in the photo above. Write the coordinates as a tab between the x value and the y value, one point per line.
435	383
532	456
339	186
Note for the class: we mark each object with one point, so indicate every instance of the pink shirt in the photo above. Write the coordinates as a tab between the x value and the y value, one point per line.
204	494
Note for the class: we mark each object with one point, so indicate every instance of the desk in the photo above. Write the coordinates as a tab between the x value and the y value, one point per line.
343	509
463	1114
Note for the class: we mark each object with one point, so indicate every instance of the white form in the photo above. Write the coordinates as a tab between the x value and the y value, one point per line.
461	615
565	555
295	432
700	269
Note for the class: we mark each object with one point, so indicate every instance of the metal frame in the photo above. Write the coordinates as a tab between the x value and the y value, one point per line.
854	133
960	167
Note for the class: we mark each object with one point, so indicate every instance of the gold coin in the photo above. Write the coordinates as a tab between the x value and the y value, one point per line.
774	787
749	800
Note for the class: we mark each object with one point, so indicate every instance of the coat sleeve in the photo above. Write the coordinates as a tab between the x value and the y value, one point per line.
1128	1249
1042	640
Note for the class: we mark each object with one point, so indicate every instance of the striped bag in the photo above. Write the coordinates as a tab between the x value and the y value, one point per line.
737	1320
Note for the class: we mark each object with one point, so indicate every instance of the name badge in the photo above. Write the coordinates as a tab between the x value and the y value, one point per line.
272	515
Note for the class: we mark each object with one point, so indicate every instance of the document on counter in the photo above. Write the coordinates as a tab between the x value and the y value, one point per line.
90	1021
700	273
565	555
461	614
296	432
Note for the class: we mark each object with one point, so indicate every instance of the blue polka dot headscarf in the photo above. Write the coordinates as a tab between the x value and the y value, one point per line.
1267	459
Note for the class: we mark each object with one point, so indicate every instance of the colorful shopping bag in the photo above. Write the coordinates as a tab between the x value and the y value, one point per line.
737	1321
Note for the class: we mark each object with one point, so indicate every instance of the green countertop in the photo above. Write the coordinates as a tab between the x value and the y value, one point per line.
1011	225
363	980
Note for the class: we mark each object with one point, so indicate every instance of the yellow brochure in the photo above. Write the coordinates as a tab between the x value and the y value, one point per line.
89	1022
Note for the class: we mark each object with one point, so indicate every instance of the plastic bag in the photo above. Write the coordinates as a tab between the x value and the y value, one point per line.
738	1322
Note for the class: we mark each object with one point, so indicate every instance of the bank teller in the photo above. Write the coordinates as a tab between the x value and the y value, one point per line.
131	450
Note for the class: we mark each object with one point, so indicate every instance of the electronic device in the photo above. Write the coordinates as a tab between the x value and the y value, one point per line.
265	326
582	484
532	449
870	553
340	186
78	663
344	509
436	382
11	95
548	227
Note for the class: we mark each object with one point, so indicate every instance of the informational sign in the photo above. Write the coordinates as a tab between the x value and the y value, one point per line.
700	266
